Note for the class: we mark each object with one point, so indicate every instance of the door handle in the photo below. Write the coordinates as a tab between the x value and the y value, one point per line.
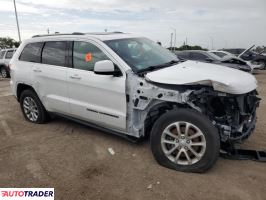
37	70
75	77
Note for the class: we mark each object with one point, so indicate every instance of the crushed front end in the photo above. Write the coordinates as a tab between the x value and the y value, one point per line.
233	115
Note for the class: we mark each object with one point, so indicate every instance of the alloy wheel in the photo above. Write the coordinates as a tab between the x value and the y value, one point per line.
183	143
30	109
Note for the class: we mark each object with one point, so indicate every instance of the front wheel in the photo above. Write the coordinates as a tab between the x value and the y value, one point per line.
185	140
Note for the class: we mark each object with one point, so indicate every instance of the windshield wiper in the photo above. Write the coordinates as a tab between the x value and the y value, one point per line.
154	67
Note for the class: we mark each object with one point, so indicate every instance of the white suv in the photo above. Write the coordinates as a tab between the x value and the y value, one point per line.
131	86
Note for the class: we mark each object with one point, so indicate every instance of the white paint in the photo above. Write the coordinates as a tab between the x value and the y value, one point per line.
221	78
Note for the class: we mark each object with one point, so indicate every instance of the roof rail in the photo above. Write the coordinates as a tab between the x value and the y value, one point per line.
45	35
78	33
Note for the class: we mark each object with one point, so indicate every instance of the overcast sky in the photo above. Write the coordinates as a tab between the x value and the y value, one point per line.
229	23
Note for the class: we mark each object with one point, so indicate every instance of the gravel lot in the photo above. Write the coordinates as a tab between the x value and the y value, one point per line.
74	159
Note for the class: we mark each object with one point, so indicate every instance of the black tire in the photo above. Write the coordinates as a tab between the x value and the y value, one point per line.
211	139
42	116
4	72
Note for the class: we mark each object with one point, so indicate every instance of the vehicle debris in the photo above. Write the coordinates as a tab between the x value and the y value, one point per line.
111	151
149	186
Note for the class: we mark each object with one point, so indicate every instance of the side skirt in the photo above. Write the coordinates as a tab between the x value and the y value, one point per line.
98	127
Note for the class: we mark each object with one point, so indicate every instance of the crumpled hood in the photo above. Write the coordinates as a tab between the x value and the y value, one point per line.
223	79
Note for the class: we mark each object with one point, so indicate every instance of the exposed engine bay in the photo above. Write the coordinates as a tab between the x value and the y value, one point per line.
233	115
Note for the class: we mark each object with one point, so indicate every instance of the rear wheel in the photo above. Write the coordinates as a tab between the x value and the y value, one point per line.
32	107
185	140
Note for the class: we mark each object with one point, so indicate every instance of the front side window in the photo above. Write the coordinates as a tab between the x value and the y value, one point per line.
9	54
32	52
55	53
141	53
85	55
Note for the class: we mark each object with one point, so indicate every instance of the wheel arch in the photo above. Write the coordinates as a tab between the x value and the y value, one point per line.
156	111
22	87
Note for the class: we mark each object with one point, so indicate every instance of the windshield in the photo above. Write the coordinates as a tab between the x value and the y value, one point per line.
142	54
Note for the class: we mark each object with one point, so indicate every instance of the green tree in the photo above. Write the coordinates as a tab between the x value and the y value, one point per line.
7	42
186	47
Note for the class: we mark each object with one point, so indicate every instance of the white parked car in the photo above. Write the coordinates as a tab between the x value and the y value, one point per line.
252	65
5	57
131	86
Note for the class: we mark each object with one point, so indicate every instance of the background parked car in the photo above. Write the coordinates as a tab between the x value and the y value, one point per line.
5	57
223	54
205	56
249	55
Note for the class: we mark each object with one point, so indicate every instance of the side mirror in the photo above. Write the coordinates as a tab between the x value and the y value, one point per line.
104	67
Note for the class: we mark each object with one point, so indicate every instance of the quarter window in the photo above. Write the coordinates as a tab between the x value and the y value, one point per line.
85	55
54	53
32	52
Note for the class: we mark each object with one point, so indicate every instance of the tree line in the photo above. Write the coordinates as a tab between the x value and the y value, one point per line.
7	42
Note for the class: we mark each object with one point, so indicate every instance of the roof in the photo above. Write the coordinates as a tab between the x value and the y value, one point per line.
99	35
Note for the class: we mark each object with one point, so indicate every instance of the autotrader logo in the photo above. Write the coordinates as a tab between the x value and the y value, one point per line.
26	193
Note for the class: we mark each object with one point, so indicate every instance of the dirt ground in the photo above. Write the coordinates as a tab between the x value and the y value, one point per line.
74	159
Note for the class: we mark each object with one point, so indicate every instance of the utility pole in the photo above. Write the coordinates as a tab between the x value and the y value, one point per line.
48	31
171	42
174	38
17	21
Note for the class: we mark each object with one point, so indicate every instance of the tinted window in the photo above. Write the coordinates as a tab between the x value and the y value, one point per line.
9	54
54	53
2	53
85	55
32	52
198	56
183	55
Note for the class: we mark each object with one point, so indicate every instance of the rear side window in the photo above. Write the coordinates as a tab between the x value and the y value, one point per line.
32	52
55	53
85	55
9	54
2	53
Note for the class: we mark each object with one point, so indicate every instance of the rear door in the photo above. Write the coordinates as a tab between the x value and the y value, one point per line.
49	76
100	99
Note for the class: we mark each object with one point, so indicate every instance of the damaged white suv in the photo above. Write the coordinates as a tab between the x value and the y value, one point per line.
131	86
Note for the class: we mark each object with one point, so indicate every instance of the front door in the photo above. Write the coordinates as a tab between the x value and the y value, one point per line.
99	99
